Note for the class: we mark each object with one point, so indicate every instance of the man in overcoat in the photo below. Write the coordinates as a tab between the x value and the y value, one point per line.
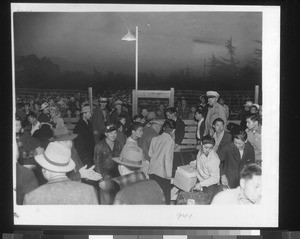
85	143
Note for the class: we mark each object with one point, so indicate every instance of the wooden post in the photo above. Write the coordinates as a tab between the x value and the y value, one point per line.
90	92
256	94
171	100
134	103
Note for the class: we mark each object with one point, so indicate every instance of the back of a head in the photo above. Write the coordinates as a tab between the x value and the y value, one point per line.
250	170
145	192
169	125
171	110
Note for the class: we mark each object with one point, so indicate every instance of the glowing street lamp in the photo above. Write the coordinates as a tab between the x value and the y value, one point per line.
130	37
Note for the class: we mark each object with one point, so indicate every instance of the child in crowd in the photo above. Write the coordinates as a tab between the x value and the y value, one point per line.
207	164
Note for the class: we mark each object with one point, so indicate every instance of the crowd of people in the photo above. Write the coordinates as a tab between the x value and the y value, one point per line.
113	158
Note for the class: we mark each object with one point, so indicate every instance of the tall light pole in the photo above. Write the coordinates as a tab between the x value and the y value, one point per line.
130	37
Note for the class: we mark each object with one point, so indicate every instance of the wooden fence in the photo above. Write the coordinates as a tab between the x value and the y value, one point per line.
188	142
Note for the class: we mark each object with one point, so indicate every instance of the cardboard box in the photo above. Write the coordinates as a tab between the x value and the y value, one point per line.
183	181
187	170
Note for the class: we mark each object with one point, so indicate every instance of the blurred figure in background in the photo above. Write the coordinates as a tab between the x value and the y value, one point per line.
183	109
245	113
222	102
192	112
100	119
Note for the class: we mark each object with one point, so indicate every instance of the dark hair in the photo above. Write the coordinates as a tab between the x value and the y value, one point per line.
199	111
169	125
203	96
253	117
254	107
240	134
133	127
171	110
207	139
218	120
121	116
17	118
20	105
250	170
119	124
136	117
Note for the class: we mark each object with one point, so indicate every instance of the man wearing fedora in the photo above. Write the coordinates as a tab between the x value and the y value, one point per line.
44	116
59	190
130	166
117	111
100	119
215	110
85	143
131	160
63	136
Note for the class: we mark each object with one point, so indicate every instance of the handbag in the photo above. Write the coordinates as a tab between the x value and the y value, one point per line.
203	197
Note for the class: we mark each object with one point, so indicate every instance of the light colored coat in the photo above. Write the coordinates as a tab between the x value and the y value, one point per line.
208	171
161	152
62	191
217	111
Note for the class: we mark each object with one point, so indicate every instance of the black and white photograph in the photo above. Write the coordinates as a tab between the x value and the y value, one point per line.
145	115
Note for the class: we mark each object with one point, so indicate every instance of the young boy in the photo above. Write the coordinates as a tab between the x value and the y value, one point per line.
207	164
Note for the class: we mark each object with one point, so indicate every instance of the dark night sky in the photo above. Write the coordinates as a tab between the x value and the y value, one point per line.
174	40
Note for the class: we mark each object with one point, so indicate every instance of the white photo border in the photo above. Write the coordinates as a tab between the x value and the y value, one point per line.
255	216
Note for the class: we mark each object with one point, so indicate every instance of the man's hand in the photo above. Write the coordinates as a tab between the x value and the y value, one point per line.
102	185
38	151
224	180
193	164
197	187
89	173
177	148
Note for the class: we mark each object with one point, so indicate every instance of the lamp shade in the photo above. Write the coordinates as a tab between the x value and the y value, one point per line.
128	36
